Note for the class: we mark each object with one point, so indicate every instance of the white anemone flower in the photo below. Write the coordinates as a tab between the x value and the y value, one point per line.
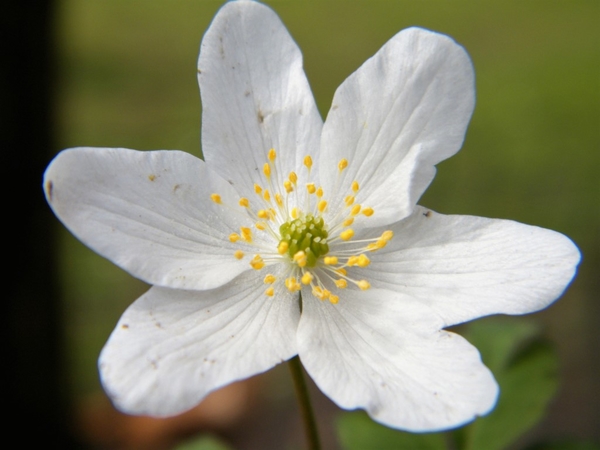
298	237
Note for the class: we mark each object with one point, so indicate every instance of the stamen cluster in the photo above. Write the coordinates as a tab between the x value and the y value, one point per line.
314	252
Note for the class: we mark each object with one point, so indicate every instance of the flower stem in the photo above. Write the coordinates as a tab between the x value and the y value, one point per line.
308	416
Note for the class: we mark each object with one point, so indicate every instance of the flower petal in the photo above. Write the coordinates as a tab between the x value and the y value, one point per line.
466	267
148	212
385	353
255	96
403	111
172	347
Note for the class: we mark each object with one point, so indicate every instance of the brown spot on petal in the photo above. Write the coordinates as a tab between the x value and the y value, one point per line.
152	177
49	187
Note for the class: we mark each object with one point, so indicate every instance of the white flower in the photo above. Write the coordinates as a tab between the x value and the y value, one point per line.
223	243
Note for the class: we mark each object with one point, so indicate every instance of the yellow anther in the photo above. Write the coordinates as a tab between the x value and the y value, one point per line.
342	271
380	244
333	299
373	246
294	213
216	198
293	177
300	258
257	188
287	184
282	247
322	205
341	283
272	155
352	261
343	164
320	192
270	291
349	200
310	187
363	261
239	254
347	234
355	186
279	199
348	222
257	262
244	202
234	237
246	234
325	294
267	170
387	235
267	195
269	279
292	284
355	209
308	161
330	260
363	285
368	212
260	226
307	278
263	214
317	291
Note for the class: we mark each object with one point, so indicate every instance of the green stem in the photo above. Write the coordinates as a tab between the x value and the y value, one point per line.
308	416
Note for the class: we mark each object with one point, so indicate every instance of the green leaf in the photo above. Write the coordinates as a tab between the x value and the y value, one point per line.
526	369
204	443
357	431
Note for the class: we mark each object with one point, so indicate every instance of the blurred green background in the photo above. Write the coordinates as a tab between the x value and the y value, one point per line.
127	78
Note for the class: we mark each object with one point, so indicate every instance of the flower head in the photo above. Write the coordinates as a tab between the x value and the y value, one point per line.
284	205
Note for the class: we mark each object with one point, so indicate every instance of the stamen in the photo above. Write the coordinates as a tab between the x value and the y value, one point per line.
269	279
244	202
246	234
308	162
363	285
292	284
257	262
343	164
260	226
234	237
333	299
239	254
310	187
347	234
263	214
257	188
368	212
322	205
270	291
267	195
300	258
349	200
320	192
355	210
330	260
272	155
216	198
287	184
355	186
267	170
348	222
282	248
293	177
341	283
307	278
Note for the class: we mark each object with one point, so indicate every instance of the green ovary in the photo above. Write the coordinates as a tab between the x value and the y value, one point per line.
308	234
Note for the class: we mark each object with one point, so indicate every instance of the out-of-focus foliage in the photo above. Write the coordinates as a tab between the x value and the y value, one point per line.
203	443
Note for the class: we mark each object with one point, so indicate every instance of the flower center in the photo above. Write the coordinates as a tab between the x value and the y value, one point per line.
307	233
292	232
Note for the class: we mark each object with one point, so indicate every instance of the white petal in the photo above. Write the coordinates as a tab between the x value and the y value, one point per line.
403	111
148	212
172	347
466	267
386	354
255	96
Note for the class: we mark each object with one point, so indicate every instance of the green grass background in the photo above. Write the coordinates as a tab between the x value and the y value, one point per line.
532	152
